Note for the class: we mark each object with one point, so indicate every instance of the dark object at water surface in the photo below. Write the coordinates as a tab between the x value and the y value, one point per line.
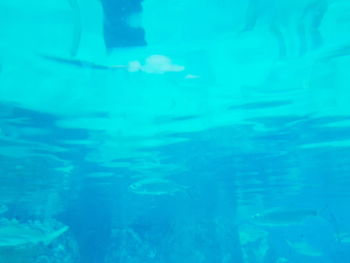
117	32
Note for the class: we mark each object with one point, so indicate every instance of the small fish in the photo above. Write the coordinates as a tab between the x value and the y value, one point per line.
282	217
343	238
14	233
100	175
76	62
249	234
282	260
190	76
341	51
304	248
156	186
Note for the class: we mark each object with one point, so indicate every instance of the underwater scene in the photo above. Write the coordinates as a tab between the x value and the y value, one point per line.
174	131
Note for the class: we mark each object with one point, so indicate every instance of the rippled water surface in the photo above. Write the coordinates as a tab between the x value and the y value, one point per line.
152	131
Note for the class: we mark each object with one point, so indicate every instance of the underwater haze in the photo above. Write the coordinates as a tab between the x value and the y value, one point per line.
174	131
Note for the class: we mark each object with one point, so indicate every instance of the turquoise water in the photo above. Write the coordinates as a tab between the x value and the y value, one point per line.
174	131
